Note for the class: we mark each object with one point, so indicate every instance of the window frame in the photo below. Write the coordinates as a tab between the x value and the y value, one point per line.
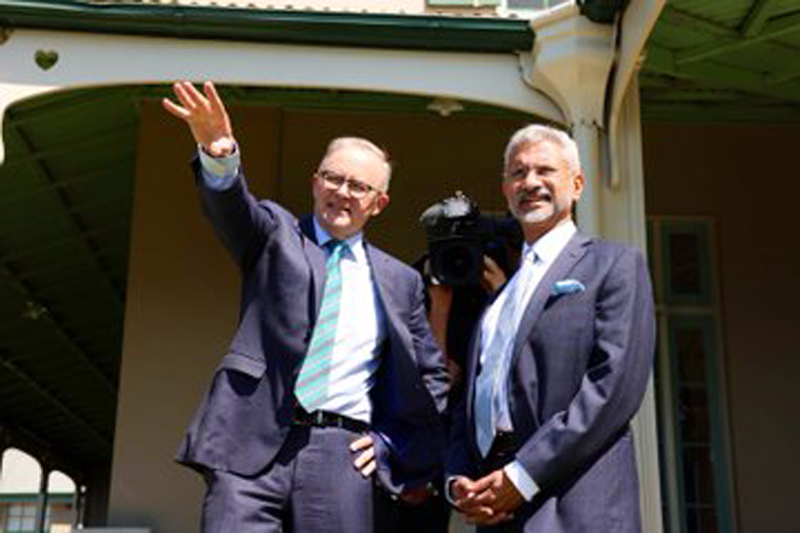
703	311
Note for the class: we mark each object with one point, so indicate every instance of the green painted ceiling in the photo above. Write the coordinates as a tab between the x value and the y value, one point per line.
65	201
723	61
66	198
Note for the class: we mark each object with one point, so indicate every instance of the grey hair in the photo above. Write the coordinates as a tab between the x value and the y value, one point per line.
341	143
536	133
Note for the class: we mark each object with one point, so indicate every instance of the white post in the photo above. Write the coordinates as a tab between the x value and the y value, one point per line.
42	500
570	62
624	220
589	215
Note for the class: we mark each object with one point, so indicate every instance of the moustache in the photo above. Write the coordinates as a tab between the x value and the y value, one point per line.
533	195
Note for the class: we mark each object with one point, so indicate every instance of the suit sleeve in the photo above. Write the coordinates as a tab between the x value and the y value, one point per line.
239	220
614	382
416	458
458	459
430	359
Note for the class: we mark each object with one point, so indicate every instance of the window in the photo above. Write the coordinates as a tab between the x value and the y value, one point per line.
19	518
691	408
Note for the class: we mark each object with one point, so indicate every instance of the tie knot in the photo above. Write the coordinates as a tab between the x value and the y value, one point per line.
335	248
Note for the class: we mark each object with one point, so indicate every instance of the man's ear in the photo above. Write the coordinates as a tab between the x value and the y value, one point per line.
578	183
380	203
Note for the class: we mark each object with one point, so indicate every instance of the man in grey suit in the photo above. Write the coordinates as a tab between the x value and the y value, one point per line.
332	375
557	367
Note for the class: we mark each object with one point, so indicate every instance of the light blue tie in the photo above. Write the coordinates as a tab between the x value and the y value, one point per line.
496	354
311	388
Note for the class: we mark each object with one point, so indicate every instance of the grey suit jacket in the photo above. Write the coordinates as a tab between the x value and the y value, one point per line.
579	369
246	414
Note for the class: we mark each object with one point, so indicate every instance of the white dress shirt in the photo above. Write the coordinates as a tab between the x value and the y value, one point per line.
360	333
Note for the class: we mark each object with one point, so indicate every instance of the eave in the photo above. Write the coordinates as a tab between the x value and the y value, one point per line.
418	32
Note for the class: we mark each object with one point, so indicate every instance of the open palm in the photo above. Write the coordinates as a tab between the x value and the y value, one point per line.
205	115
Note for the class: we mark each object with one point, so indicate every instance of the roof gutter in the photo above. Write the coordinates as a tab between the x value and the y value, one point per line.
420	32
602	11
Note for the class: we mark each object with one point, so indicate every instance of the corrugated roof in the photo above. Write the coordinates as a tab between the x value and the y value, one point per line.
393	7
373	30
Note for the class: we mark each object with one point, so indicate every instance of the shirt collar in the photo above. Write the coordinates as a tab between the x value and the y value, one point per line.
549	245
354	242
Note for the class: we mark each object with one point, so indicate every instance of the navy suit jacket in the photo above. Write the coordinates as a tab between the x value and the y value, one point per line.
247	413
579	370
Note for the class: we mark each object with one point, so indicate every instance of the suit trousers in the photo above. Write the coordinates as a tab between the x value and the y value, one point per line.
393	515
311	486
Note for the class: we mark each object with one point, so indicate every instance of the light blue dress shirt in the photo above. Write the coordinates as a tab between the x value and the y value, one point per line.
542	253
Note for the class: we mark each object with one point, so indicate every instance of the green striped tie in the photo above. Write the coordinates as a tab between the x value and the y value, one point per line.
311	388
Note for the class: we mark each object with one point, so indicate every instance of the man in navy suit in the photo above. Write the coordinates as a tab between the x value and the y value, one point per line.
333	375
557	367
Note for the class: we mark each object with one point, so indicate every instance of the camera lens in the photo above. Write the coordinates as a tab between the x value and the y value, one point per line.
457	263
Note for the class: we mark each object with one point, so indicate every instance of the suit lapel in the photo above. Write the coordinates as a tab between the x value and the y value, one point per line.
569	256
315	257
381	277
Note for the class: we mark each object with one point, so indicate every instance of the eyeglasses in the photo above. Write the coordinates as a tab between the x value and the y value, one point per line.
334	181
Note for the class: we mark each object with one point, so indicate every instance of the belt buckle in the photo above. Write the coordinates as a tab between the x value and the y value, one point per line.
318	418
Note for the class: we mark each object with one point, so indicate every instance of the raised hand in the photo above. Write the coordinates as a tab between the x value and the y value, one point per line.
205	115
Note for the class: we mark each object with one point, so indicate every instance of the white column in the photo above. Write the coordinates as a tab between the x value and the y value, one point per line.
624	220
589	214
42	500
570	62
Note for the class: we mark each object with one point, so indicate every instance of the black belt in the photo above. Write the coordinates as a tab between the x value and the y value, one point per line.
328	419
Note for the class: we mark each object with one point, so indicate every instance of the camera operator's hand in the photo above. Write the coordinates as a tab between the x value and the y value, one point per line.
455	372
493	276
441	301
438	316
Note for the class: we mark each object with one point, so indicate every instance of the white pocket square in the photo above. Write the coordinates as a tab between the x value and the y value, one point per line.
567	286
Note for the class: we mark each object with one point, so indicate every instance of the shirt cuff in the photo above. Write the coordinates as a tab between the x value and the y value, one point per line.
448	495
219	173
526	486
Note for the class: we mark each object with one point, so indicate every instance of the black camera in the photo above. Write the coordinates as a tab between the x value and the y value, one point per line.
459	236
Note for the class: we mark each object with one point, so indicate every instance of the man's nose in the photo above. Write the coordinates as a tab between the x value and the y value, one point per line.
532	179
